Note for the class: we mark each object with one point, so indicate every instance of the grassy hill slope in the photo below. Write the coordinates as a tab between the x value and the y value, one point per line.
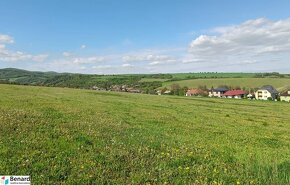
25	77
144	82
72	136
279	83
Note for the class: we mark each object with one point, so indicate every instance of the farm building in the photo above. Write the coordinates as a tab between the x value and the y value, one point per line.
285	96
218	92
238	94
196	92
251	96
266	92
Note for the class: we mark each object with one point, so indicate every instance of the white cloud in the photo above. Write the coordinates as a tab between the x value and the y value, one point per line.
88	60
102	67
83	46
145	57
127	65
7	55
66	54
2	47
151	59
6	39
164	62
249	39
15	56
11	56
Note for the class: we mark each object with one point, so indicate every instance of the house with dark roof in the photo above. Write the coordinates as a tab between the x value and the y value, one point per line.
196	92
218	92
285	96
266	92
238	94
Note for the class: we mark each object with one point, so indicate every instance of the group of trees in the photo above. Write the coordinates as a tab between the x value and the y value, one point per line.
267	75
177	90
83	81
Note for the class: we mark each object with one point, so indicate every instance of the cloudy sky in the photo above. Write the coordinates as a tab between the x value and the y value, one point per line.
152	36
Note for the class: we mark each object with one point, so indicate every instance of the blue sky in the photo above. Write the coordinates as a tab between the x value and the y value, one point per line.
129	36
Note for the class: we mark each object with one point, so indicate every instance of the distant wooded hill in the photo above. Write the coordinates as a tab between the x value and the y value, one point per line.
145	82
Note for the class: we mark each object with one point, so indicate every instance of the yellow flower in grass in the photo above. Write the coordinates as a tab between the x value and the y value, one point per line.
238	182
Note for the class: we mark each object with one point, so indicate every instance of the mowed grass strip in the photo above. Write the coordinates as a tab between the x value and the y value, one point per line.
278	83
71	136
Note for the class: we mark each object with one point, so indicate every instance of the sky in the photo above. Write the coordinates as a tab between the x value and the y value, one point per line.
149	36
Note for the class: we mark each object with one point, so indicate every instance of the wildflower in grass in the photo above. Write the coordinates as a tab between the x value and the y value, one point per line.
187	168
238	182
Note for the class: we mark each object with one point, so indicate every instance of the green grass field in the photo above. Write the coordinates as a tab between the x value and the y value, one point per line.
153	80
279	83
71	136
213	75
183	76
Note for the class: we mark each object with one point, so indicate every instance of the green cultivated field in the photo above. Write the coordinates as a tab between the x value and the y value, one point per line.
70	136
213	75
278	83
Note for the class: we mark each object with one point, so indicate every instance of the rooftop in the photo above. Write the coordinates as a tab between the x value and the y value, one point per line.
269	88
220	89
235	93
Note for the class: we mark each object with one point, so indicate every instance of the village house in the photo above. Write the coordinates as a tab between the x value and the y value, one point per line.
218	92
251	96
238	94
196	92
285	96
266	92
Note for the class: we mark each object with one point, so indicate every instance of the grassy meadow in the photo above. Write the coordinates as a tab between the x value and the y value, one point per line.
73	136
279	83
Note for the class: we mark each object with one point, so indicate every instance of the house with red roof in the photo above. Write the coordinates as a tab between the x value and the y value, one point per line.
238	94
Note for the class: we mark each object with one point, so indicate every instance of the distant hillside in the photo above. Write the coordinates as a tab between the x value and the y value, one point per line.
20	76
85	81
144	82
